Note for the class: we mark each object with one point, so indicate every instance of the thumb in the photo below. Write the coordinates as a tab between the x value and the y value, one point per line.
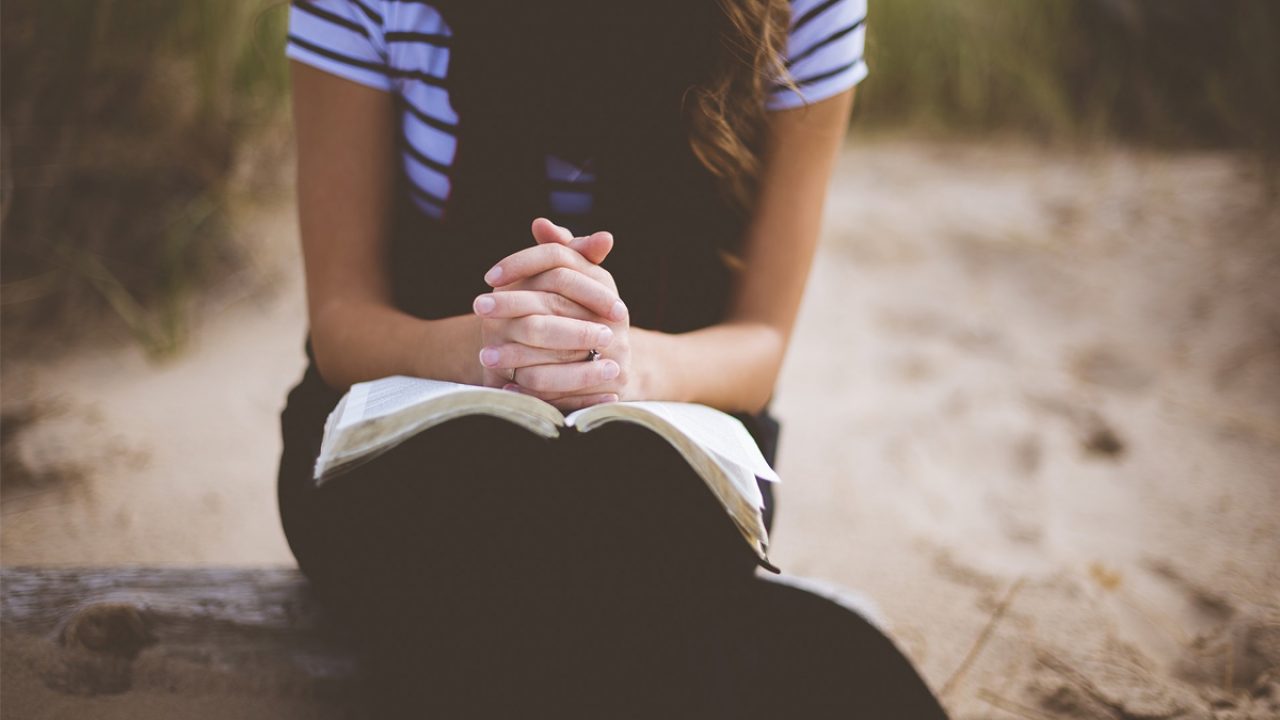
545	231
595	247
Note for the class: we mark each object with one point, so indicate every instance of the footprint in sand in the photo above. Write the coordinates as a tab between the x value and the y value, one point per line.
1235	648
1108	368
1097	437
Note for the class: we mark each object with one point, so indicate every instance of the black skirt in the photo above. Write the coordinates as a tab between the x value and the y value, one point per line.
484	571
538	470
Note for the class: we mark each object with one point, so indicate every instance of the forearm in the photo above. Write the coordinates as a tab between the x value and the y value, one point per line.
732	366
358	341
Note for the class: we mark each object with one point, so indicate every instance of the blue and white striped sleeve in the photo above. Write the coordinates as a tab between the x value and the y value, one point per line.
824	51
342	37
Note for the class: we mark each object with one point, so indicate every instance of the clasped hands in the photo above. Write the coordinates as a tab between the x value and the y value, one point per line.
551	305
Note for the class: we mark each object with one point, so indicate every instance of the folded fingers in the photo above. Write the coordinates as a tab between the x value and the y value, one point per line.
522	303
517	355
559	379
553	332
569	403
537	259
572	291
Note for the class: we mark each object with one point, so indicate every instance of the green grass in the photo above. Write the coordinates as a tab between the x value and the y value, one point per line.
122	124
1170	73
123	119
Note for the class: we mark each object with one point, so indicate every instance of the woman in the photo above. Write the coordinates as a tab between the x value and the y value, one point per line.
586	202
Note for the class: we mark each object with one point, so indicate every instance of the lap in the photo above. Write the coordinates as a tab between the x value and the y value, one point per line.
764	651
478	495
490	570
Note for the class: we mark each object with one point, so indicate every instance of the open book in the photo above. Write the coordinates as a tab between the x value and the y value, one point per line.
375	416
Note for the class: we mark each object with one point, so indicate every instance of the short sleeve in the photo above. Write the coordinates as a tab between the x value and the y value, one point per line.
342	37
824	51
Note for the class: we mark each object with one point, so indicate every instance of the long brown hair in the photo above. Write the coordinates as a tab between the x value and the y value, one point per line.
727	113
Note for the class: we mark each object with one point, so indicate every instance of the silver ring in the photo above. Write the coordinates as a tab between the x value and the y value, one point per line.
513	375
593	355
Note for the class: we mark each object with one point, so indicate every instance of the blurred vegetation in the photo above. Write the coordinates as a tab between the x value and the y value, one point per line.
123	120
1171	73
121	127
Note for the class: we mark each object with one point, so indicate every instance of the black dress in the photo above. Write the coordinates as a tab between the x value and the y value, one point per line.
489	572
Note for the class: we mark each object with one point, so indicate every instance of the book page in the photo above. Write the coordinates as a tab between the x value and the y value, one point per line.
720	434
379	398
376	416
717	447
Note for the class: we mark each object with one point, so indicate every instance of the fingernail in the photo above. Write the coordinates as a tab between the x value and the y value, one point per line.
510	387
604	338
492	276
610	398
619	311
488	356
610	370
485	304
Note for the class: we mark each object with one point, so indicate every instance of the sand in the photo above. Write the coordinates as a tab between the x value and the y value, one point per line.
1032	410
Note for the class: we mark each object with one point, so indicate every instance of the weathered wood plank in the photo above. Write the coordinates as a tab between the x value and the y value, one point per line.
111	641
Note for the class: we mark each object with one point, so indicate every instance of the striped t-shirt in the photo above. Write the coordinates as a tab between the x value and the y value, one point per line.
403	48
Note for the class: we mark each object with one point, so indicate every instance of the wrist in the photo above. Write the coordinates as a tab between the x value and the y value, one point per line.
650	372
449	349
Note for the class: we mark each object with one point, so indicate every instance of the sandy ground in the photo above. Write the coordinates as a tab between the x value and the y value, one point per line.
1032	409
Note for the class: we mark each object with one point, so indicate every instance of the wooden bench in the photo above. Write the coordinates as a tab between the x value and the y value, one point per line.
168	642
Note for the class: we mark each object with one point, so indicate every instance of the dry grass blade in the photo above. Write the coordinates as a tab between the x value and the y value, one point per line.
1012	707
983	637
